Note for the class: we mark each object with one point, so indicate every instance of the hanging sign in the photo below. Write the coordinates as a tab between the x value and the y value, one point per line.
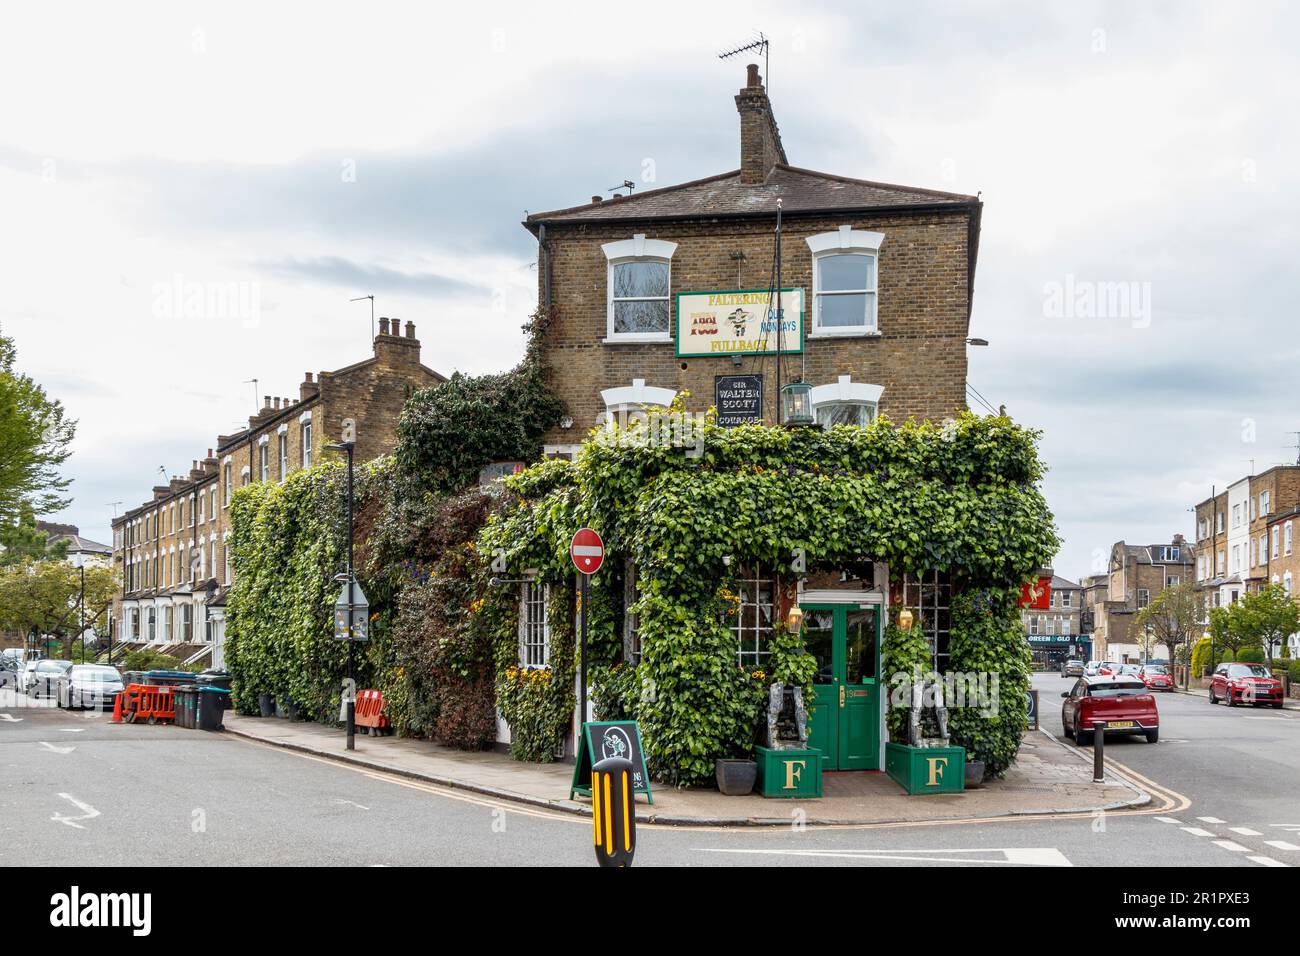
738	322
611	738
1038	595
738	399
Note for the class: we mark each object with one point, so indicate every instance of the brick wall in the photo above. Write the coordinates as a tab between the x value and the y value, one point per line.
919	357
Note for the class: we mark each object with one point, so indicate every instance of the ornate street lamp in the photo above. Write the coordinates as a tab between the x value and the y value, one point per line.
796	405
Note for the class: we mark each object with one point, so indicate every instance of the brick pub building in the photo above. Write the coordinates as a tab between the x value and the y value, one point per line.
664	292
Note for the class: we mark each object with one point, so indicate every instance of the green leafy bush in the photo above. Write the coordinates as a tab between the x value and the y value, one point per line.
150	659
1251	655
1293	670
960	497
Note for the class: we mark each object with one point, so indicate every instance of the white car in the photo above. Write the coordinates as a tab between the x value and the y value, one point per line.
89	685
43	678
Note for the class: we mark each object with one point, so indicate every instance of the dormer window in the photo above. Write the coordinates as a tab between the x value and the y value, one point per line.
844	281
637	284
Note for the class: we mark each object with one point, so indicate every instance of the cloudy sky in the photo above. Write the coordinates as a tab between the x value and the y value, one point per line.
1137	163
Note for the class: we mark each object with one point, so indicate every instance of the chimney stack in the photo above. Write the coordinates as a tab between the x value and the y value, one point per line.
760	139
383	325
410	329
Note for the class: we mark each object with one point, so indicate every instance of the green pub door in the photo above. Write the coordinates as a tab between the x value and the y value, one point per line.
845	722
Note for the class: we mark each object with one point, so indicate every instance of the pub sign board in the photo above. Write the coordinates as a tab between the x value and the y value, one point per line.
609	738
738	322
738	399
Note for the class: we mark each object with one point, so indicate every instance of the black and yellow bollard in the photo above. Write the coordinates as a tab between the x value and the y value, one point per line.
613	812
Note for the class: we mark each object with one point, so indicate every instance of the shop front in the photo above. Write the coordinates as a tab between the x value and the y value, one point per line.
1050	651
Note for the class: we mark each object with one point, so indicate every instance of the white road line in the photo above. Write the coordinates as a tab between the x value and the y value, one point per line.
88	812
1281	845
1245	831
1229	845
1014	856
58	750
1168	820
10	718
1267	861
1211	820
352	803
1196	831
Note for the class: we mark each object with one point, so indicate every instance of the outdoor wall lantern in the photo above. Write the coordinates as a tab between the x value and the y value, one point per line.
796	405
905	619
794	619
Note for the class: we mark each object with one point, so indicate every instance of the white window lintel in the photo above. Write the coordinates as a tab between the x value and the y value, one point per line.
845	239
636	395
845	390
638	247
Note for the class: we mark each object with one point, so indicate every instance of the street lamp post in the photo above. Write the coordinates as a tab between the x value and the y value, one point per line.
348	444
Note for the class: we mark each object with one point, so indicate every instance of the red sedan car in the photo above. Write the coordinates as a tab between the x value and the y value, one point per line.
1157	677
1245	684
1124	703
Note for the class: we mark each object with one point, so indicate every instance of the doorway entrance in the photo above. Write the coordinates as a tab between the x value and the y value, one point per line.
845	721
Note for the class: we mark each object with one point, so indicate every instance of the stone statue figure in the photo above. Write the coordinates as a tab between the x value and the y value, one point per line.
915	736
787	718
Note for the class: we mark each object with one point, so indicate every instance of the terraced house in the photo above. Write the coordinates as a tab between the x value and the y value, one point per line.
171	550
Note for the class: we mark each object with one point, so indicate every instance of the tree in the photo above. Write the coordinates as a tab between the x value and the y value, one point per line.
1267	617
35	439
1227	630
1174	617
22	540
44	597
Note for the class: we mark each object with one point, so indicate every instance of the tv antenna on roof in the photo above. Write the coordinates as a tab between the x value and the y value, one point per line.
253	382
625	184
372	311
758	43
1296	446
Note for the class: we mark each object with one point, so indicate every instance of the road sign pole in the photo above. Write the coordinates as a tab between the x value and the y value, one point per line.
584	581
352	704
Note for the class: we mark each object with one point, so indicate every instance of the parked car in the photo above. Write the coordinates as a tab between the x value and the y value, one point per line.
89	685
1124	703
1072	667
43	678
1108	668
1238	683
10	672
1157	677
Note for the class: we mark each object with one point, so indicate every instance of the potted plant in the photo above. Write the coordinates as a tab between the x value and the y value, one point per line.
735	775
974	773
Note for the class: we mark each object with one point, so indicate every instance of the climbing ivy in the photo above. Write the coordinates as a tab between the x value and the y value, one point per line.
961	497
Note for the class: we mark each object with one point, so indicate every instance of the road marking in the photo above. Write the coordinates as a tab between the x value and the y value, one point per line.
1245	831
58	750
1229	845
1168	820
1293	827
88	812
1260	717
1211	820
1014	856
352	803
1267	861
1197	831
1281	845
72	730
10	718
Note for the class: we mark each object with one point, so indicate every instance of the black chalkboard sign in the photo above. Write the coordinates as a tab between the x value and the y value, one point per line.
610	738
738	399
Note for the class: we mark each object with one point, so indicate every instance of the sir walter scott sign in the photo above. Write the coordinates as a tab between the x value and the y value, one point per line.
738	323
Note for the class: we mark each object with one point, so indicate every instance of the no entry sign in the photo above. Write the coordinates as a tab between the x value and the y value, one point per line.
587	551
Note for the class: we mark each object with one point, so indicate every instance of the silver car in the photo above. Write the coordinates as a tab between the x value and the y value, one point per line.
89	685
42	677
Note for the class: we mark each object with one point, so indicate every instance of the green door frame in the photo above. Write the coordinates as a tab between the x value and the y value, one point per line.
846	719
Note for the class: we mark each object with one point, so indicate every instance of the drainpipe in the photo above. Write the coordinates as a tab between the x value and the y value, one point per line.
546	265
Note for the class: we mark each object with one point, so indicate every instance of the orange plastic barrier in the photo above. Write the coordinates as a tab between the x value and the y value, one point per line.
370	711
149	703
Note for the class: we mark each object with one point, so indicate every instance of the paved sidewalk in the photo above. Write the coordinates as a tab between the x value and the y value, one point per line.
1289	703
1049	777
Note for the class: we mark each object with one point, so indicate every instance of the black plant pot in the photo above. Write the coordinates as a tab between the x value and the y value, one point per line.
735	777
266	704
974	774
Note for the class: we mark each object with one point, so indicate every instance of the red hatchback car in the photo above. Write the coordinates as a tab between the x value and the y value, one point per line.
1123	702
1157	677
1245	684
